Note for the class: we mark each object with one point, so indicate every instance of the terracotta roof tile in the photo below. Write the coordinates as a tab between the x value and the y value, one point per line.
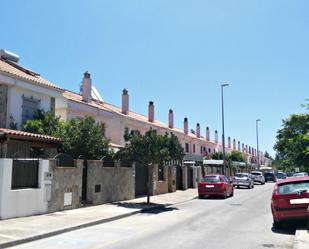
111	108
7	68
27	135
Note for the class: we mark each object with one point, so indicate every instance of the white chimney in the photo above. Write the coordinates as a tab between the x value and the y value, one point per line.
242	147
234	144
171	119
229	142
198	130
125	101
207	134
185	126
86	87
238	147
151	111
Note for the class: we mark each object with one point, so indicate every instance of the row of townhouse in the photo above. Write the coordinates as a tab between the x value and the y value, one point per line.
23	92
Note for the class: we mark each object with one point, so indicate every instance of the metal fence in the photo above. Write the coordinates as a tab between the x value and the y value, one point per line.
25	174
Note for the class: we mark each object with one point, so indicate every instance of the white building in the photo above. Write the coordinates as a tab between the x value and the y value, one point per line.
23	92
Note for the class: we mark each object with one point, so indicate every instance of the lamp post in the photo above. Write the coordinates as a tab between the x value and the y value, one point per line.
257	142
223	138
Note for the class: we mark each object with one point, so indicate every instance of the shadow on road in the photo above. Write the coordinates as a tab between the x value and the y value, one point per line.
290	227
147	208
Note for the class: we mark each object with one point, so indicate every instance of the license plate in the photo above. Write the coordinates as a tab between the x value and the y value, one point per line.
299	201
210	186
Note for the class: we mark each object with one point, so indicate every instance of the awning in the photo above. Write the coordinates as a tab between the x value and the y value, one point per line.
213	162
189	162
239	164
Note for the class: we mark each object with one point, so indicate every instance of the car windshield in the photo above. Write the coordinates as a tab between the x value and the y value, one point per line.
293	187
300	174
256	173
211	179
241	175
281	175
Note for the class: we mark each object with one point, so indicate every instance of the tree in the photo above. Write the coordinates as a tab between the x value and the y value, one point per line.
217	156
151	148
84	137
80	137
43	123
292	143
236	156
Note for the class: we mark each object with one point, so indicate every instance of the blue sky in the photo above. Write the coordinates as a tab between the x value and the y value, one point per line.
175	53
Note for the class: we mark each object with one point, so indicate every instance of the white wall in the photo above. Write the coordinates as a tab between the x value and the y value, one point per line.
21	202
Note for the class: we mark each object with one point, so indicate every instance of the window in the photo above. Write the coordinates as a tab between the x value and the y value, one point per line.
209	150
187	148
52	105
29	108
135	132
103	129
193	148
201	150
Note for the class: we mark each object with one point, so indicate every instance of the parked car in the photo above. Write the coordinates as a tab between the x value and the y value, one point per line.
243	179
281	175
215	185
270	176
300	174
290	200
257	176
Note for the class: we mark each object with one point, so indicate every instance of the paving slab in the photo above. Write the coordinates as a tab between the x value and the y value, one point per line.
21	230
301	240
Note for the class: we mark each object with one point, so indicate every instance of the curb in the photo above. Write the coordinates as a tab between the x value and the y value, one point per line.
299	242
85	225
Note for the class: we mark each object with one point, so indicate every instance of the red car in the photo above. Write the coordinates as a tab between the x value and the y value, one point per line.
290	200
215	185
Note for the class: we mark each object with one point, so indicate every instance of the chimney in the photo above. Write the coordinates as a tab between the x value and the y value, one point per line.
198	130
151	111
229	142
207	134
86	87
216	136
238	146
125	101
246	148
171	119
249	149
185	126
243	147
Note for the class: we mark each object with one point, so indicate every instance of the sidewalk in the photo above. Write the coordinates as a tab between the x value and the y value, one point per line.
21	230
301	239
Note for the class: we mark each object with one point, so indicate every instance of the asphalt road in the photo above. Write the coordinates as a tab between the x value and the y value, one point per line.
241	222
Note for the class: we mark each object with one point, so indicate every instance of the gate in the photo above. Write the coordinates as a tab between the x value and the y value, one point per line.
179	185
25	174
141	175
190	177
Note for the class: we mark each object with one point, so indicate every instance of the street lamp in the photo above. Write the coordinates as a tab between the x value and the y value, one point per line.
257	142
223	138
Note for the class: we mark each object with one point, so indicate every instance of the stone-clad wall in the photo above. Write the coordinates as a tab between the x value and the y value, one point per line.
66	186
162	186
171	179
109	184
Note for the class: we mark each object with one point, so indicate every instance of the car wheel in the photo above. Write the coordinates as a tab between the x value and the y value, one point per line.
263	183
252	185
237	186
200	196
232	193
224	195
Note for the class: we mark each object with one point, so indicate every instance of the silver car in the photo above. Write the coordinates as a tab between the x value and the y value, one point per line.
258	176
243	179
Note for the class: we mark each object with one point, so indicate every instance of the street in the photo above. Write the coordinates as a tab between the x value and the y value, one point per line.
241	222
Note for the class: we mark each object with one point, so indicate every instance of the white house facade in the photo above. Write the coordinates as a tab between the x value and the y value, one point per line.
23	92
